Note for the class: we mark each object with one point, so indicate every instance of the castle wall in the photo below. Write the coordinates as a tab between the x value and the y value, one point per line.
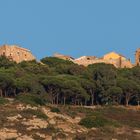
16	53
118	63
126	64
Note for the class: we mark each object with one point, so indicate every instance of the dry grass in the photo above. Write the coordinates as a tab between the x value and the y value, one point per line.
127	118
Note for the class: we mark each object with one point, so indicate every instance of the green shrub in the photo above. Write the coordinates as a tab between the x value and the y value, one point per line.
30	99
30	112
3	101
97	121
90	122
54	109
50	129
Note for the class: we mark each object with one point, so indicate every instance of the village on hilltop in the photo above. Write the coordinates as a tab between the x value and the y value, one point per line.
19	54
118	60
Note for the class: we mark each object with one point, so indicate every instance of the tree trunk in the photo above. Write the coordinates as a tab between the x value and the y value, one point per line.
57	99
138	103
1	93
127	97
127	102
14	92
85	102
92	99
64	101
78	102
52	100
5	93
75	101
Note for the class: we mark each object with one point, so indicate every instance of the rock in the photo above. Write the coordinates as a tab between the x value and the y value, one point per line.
8	134
137	131
36	123
24	119
67	128
41	135
94	129
25	137
77	119
52	122
32	127
48	138
14	118
20	107
19	116
30	107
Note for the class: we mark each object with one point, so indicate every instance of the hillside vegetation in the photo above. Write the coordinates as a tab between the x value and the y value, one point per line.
59	100
35	121
57	81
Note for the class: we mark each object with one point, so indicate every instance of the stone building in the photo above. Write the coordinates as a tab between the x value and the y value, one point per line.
118	60
64	57
16	53
137	57
87	60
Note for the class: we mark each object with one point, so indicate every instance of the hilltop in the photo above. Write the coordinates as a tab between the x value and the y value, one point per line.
19	54
58	99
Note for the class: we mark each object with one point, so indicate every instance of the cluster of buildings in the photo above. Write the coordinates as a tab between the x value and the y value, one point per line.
19	54
118	60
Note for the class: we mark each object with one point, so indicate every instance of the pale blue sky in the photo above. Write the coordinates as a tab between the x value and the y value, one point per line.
72	27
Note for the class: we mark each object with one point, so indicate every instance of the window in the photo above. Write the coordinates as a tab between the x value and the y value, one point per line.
3	53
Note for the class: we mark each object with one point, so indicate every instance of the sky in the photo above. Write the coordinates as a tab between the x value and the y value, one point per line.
71	27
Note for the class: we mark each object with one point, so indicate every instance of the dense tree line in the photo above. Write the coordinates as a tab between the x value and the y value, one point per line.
63	82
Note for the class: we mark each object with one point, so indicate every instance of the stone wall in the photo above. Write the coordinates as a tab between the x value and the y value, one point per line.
64	57
116	62
137	57
119	61
16	53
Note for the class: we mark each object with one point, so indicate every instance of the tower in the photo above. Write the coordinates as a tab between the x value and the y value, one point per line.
137	57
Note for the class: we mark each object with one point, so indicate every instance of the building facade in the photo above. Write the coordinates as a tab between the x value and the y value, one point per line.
118	60
64	57
137	57
16	53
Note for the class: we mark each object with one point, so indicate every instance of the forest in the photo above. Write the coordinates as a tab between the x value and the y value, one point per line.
59	81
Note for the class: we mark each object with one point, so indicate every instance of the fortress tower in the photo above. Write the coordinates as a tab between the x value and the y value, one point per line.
137	57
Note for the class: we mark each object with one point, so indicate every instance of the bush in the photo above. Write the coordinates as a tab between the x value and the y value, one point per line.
38	113
98	121
54	109
51	129
31	99
3	101
90	122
